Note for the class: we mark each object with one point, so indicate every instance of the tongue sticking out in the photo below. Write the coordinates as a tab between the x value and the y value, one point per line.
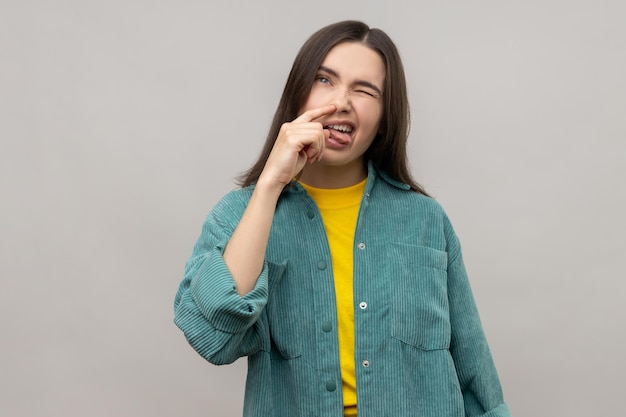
341	138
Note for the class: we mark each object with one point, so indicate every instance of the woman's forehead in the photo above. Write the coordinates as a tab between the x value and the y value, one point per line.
355	60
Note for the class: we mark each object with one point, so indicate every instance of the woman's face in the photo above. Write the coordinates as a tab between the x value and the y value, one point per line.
351	77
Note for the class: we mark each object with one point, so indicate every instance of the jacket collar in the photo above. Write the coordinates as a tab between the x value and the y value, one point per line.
373	172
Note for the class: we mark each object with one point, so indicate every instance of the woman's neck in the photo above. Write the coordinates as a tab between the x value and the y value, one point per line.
320	175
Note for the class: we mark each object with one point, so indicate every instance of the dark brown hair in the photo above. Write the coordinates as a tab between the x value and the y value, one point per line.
388	151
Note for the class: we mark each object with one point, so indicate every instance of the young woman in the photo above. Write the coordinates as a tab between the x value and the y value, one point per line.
330	268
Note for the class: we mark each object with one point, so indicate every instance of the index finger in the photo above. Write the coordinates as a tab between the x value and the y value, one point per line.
312	114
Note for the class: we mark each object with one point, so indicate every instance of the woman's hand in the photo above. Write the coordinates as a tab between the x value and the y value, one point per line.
299	141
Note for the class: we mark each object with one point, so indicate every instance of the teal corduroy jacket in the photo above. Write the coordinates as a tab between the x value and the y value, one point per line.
420	349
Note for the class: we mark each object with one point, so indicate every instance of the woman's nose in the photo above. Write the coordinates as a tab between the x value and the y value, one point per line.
343	101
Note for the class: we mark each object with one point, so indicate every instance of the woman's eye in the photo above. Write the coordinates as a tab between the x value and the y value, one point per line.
366	92
322	79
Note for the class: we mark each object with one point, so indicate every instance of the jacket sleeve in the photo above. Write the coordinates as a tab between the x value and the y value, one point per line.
480	384
218	323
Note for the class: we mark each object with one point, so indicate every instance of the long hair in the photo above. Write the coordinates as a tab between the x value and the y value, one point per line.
388	151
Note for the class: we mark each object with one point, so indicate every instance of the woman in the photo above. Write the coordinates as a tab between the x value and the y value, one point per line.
330	268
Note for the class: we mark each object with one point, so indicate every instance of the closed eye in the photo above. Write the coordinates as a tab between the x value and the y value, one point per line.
366	92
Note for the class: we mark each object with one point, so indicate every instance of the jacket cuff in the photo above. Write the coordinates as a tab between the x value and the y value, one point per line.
214	293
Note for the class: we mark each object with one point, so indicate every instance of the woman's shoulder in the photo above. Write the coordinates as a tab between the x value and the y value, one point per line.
413	199
241	194
232	204
394	189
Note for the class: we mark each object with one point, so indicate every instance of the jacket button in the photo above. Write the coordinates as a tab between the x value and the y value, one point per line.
361	245
321	265
362	305
327	326
331	386
310	214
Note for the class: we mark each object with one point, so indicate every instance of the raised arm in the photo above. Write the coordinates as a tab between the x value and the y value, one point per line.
225	286
298	142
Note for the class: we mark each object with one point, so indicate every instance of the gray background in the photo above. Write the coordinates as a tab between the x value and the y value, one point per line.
123	122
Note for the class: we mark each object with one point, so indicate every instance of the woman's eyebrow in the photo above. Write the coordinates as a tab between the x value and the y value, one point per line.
357	82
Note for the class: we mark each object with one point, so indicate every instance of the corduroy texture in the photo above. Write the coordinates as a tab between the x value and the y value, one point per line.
420	350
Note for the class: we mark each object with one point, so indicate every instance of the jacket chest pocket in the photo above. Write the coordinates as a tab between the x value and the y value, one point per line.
285	315
420	308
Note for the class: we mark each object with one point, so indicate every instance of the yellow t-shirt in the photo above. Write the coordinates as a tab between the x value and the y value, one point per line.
339	209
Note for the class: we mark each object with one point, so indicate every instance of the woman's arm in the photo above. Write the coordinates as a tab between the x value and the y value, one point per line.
298	142
218	323
225	286
478	378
